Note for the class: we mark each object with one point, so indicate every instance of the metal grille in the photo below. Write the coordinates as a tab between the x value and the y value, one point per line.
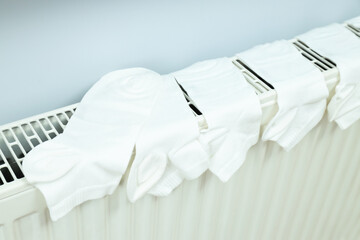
321	62
354	29
262	86
17	139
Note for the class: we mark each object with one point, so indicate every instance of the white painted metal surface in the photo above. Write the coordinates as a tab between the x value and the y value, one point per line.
311	192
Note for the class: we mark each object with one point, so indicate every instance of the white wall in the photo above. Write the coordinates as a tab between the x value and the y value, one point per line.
51	52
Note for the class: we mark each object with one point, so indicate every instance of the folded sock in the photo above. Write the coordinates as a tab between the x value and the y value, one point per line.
88	160
353	113
169	132
233	115
343	47
229	151
188	162
231	108
300	87
171	179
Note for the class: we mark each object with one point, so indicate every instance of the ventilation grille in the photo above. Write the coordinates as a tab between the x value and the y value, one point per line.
354	29
262	86
253	78
18	139
321	62
190	102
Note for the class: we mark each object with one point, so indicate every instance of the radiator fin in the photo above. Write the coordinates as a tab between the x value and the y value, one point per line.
2	234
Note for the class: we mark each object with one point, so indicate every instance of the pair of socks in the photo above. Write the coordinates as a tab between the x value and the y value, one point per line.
89	158
233	115
167	138
300	87
343	47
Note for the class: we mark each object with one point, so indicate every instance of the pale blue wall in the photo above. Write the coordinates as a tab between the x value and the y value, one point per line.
51	52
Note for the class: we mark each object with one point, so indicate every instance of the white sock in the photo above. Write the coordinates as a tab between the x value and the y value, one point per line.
232	111
343	47
171	127
300	86
189	162
87	161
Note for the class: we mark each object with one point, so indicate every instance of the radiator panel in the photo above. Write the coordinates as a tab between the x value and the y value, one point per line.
311	192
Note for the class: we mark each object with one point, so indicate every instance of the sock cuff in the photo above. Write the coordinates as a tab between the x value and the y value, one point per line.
225	171
287	142
348	119
65	205
167	185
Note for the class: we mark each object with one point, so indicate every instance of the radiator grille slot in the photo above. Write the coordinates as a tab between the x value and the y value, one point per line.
262	86
18	139
318	60
190	102
354	29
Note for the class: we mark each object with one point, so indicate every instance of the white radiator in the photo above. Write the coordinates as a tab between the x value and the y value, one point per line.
311	192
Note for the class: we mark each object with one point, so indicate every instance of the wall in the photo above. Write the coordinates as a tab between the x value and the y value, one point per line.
51	52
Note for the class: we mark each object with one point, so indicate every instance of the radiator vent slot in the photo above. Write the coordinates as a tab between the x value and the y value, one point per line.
260	85
190	102
354	29
321	62
17	139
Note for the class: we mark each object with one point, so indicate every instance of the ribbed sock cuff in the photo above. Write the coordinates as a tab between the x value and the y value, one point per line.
65	205
167	185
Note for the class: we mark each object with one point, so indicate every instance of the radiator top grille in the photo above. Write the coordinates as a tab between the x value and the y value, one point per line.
354	29
261	85
17	139
318	60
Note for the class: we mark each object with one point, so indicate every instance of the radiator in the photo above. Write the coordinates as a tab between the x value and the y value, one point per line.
311	192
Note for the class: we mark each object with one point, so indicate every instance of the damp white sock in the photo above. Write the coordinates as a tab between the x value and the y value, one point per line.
169	132
343	47
233	115
300	87
88	160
